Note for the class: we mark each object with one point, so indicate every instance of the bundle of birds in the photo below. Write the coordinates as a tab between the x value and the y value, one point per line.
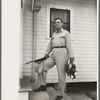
71	70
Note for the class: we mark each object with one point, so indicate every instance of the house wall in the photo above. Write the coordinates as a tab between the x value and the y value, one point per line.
84	37
84	31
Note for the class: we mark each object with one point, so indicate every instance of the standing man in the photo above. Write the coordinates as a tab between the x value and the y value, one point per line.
60	45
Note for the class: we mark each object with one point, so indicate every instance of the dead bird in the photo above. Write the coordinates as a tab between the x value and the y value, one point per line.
71	70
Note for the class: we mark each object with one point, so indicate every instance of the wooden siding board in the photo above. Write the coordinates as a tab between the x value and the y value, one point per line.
26	74
29	66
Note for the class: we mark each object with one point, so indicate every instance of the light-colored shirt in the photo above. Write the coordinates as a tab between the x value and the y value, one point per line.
61	39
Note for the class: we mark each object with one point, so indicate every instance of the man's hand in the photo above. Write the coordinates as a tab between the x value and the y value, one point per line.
46	55
72	60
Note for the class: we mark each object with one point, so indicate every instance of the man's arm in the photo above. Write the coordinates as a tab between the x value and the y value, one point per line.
69	47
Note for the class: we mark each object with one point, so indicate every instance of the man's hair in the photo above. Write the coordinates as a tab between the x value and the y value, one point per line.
59	19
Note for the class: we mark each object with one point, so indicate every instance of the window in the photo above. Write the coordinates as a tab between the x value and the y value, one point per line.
63	14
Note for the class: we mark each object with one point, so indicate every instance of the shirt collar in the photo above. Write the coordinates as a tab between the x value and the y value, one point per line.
60	30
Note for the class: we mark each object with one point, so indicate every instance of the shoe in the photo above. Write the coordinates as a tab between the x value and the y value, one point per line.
41	88
59	97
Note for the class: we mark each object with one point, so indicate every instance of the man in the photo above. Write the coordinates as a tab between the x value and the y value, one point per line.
60	45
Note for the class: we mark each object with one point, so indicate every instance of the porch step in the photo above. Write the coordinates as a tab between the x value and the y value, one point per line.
53	93
92	94
25	85
23	96
77	96
49	95
25	88
39	96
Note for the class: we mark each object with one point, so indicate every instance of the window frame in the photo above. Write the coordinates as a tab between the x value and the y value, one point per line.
48	18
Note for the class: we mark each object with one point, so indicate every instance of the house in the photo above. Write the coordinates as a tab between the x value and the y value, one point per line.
26	33
80	19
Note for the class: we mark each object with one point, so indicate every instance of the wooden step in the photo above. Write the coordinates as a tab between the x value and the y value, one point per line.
76	96
53	93
92	94
49	95
39	96
23	96
25	84
27	88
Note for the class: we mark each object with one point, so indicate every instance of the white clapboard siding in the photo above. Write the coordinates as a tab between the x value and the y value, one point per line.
27	38
84	37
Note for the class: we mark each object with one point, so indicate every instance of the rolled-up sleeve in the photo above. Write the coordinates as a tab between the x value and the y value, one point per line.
69	44
49	47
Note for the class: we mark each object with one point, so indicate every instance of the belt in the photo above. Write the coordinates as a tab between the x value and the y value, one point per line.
59	47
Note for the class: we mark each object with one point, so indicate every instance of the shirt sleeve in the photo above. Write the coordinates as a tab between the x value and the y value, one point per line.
49	47
69	44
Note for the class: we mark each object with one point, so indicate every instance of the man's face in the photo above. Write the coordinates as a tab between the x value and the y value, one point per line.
58	23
